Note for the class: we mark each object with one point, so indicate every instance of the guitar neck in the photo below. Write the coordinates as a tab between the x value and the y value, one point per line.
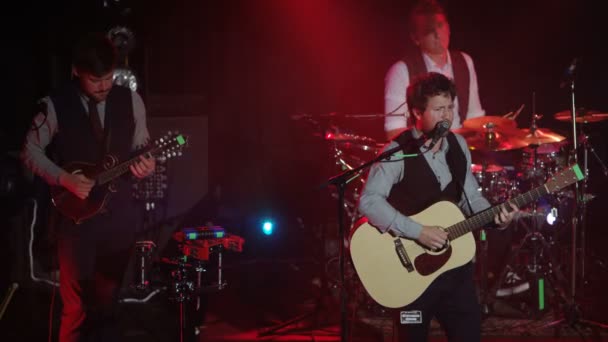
120	169
487	216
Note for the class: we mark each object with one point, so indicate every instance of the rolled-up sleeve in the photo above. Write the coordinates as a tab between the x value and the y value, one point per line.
33	154
141	136
395	85
373	201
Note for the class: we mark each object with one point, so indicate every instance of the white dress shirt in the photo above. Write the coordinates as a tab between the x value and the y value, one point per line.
398	79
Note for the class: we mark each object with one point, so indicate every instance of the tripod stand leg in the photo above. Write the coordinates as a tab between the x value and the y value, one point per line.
276	328
501	279
7	299
601	325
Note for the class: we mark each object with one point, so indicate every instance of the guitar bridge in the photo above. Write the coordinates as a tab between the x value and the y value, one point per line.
402	254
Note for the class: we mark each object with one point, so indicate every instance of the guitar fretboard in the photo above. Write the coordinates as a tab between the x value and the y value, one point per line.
487	216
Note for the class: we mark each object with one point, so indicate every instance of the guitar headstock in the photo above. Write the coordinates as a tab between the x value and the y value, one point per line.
170	145
565	178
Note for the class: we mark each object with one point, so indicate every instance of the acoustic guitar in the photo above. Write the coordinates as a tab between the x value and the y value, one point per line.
396	271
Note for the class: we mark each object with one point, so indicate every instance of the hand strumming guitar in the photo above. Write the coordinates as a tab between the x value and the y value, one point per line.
433	237
144	167
77	184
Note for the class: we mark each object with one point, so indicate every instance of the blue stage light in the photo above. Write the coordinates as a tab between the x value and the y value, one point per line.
267	227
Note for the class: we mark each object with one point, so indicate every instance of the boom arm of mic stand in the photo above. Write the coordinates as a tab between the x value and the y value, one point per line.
343	177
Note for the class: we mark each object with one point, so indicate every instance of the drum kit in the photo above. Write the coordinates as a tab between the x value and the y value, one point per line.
507	161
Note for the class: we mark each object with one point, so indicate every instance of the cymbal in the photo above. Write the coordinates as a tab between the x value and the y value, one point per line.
492	139
540	136
335	115
482	121
494	142
582	116
350	138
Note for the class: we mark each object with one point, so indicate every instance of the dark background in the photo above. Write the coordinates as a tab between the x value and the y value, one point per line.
249	66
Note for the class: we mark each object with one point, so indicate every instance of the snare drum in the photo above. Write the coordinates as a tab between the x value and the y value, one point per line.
493	181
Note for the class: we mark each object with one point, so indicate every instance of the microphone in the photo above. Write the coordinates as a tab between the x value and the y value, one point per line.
569	73
441	130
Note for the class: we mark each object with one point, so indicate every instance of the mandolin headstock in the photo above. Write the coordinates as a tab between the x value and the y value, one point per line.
170	145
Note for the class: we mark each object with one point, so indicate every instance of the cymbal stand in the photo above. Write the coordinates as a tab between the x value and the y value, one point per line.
572	314
577	193
587	147
542	268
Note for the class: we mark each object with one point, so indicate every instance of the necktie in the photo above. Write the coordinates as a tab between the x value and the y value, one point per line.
95	121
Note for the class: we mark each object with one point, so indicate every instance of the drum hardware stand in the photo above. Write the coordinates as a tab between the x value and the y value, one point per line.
587	147
572	312
483	280
540	251
143	254
184	290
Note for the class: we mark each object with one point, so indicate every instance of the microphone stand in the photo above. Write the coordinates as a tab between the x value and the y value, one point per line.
340	181
577	193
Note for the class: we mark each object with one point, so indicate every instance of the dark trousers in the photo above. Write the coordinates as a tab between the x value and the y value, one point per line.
452	299
92	261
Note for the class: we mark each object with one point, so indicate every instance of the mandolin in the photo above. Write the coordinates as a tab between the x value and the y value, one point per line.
79	210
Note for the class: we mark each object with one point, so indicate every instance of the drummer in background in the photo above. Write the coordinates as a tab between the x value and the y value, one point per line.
430	31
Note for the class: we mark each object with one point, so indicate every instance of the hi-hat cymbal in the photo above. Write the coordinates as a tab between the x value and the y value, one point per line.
482	122
582	116
540	136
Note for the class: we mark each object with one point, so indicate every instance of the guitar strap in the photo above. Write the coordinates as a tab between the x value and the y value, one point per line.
466	198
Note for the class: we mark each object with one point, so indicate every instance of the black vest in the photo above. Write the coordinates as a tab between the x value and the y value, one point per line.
415	66
419	187
75	141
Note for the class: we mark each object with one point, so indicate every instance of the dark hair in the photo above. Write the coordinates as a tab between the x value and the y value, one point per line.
426	86
423	8
94	53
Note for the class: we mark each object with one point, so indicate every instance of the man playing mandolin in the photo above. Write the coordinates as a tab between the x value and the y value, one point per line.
435	166
85	121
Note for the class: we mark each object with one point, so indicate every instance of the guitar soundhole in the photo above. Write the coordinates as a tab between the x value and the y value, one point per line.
428	263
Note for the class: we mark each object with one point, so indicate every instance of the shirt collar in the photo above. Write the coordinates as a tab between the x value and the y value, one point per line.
442	148
430	62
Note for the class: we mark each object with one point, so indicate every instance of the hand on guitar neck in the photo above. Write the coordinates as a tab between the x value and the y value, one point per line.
504	217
